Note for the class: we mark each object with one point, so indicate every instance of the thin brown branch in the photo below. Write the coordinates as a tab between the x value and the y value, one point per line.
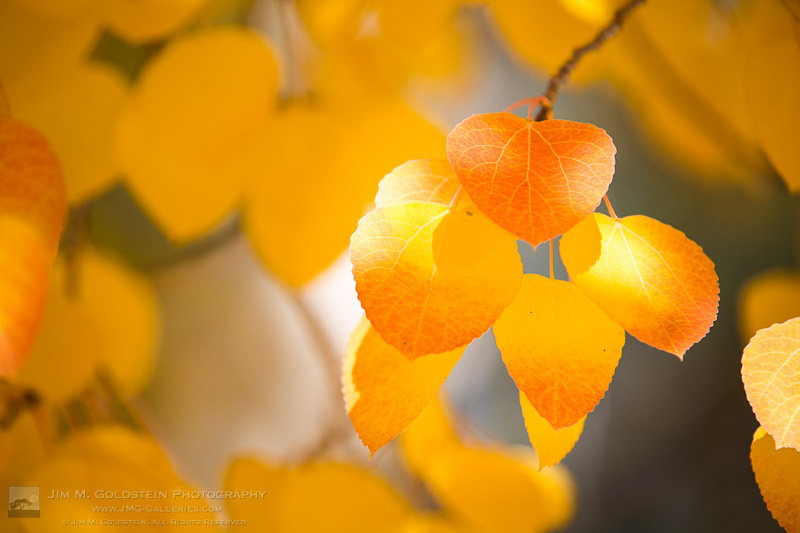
561	76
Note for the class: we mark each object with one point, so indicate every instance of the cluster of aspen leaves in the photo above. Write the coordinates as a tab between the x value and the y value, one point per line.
196	118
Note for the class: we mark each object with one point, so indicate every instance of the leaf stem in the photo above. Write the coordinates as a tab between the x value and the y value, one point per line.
532	102
562	75
610	209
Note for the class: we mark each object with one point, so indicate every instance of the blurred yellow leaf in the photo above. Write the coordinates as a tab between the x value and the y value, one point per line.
331	22
768	299
146	20
62	9
186	137
778	476
559	347
76	112
330	497
112	460
22	451
385	391
100	317
773	83
314	180
551	445
493	490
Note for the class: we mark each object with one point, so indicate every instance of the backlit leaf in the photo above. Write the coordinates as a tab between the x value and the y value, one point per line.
145	20
76	111
430	278
385	391
650	279
559	347
100	317
535	179
32	203
309	160
778	477
430	434
186	137
327	496
768	299
551	445
419	180
771	375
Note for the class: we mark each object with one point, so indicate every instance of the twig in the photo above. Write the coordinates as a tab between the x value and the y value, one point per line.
562	75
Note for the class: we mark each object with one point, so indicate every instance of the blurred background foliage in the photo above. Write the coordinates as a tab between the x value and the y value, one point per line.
217	155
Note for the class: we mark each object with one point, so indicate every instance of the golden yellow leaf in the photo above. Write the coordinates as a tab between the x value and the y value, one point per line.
146	20
384	391
65	10
331	22
100	317
650	279
559	347
767	299
186	137
330	497
23	450
313	180
770	370
428	436
432	278
551	445
76	111
773	82
778	476
105	462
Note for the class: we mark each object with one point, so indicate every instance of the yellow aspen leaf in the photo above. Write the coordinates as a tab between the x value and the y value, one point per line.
331	22
309	161
146	20
489	489
384	391
430	523
775	55
37	49
418	180
32	204
771	375
432	278
767	299
23	450
100	317
559	347
778	477
551	445
650	279
535	179
112	460
76	111
327	496
185	140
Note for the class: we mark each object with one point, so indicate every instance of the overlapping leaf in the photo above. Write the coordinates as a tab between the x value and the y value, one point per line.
778	477
147	20
430	277
385	391
535	179
559	347
186	138
650	279
308	158
32	204
326	496
771	374
551	445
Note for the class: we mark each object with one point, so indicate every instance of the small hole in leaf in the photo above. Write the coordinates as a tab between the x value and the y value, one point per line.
469	213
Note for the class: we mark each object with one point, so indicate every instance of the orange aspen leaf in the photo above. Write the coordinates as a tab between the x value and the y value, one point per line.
431	279
559	347
650	278
384	391
551	445
771	375
778	477
429	276
535	179
419	180
32	204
